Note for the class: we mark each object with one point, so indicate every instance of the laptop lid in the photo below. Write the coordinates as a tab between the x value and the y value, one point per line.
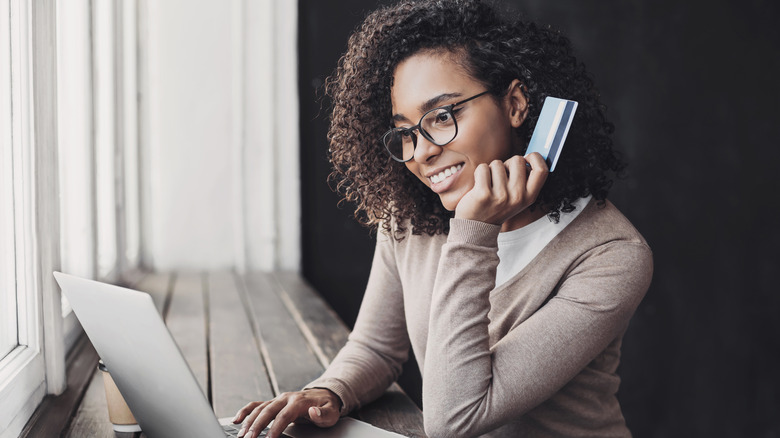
142	357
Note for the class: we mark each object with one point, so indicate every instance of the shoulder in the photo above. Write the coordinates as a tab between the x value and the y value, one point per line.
602	260
602	232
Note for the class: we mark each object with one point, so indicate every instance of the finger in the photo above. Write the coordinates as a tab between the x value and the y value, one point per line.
324	416
482	176
518	172
315	414
283	419
243	412
538	175
259	418
498	179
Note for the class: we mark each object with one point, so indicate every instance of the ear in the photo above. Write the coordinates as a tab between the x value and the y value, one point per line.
517	103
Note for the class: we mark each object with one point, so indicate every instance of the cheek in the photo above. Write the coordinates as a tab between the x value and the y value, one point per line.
503	145
488	142
414	168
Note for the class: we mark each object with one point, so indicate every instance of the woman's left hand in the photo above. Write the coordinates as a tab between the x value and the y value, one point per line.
503	189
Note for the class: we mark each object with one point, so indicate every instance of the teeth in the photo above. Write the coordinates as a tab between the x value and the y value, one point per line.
441	176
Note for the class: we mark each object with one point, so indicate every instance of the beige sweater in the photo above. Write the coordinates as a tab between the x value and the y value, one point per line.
535	357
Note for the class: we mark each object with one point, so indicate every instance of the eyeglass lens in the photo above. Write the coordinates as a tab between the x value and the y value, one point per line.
437	126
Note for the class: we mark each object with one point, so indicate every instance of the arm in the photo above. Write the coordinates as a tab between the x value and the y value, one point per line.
379	344
469	388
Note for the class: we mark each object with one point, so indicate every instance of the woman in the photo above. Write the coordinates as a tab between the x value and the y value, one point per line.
512	285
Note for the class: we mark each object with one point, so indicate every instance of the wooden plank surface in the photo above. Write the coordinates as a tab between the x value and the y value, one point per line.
293	362
159	286
238	373
394	411
317	320
91	420
186	321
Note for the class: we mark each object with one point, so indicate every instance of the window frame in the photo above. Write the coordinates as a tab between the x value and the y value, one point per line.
23	372
7	234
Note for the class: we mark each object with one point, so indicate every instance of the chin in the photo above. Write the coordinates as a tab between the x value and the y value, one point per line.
448	203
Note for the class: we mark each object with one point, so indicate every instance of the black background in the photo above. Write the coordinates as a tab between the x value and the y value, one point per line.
692	88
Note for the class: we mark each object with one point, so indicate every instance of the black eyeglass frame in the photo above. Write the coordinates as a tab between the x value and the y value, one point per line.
425	133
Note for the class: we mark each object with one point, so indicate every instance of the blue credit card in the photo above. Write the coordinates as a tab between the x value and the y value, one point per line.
551	129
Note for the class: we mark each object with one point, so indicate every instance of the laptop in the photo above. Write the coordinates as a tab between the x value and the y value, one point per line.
150	371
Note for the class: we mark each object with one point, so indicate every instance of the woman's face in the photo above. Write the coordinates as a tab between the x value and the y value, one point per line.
485	131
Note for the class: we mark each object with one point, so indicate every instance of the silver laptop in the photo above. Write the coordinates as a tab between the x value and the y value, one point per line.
145	362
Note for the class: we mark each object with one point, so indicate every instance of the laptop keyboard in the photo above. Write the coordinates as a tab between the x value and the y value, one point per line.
231	430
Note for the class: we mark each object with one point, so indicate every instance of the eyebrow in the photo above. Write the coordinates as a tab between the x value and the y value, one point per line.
429	105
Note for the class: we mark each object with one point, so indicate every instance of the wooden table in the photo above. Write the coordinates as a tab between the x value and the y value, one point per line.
245	337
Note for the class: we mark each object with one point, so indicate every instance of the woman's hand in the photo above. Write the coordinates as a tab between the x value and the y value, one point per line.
503	189
317	405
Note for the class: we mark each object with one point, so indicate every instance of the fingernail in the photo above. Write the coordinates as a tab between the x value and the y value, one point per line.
317	411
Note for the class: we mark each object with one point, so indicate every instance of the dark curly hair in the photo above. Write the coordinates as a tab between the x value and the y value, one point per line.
494	49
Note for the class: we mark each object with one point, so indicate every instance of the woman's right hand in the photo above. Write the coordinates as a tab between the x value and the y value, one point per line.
503	189
318	406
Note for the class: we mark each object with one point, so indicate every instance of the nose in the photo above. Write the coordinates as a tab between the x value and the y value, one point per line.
425	149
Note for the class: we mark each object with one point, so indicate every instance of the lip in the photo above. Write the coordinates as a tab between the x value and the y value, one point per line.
441	169
445	185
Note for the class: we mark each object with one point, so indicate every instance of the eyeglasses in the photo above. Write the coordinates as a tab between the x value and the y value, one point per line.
437	126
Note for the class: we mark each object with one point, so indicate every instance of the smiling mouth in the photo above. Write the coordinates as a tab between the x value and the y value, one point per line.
446	173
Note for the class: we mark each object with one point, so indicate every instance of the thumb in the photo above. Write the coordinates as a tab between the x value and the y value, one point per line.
324	416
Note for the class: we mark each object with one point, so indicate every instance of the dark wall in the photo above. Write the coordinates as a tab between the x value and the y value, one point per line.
692	88
337	251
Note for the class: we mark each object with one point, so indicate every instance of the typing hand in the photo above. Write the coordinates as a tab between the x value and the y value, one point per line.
503	189
317	406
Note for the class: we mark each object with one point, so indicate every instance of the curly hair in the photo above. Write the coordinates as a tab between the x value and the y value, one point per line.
494	49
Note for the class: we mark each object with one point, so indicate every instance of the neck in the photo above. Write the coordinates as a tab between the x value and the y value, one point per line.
523	218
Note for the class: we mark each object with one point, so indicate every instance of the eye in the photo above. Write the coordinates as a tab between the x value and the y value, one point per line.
443	117
406	133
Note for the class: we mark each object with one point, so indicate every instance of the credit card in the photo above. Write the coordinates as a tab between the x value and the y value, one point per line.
551	129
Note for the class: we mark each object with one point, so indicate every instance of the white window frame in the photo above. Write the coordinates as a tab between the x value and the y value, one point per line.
8	317
33	368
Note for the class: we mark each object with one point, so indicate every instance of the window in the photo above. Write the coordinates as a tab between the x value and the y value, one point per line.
80	88
8	328
22	365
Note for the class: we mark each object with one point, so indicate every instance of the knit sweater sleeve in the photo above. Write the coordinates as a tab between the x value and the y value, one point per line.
470	387
379	343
